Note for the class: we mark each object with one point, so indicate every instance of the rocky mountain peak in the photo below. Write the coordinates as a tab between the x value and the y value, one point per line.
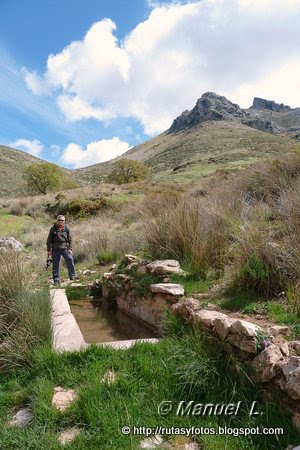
209	106
261	103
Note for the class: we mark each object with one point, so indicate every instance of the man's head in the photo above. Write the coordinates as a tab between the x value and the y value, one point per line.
61	220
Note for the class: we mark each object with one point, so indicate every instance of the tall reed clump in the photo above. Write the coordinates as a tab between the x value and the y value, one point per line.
248	230
24	315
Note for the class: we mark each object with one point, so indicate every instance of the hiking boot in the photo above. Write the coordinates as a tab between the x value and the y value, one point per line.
56	282
74	277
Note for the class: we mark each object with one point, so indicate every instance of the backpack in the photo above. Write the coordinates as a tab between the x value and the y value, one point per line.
54	232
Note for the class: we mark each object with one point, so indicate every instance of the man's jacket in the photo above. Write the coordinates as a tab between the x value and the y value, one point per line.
59	239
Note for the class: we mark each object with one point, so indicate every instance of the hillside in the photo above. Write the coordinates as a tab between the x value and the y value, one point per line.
215	134
12	165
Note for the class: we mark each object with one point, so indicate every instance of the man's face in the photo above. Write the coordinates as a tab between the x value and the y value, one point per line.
60	222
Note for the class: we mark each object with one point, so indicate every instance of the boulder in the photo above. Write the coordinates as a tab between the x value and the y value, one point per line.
167	288
63	398
245	328
277	330
164	267
67	436
265	363
247	344
21	418
133	265
186	309
291	371
10	243
295	345
131	258
207	318
222	326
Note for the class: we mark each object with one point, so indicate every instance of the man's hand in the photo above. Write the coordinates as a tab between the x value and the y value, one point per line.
70	251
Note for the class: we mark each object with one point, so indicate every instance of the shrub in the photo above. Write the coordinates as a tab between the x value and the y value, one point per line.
43	177
106	257
79	208
13	276
20	206
127	171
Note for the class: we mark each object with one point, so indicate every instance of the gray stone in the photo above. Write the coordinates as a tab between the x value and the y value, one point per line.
21	418
261	103
152	442
86	272
186	309
245	328
247	344
222	326
63	398
10	243
207	318
164	267
67	436
291	371
284	348
265	363
167	288
131	258
108	275
277	330
295	345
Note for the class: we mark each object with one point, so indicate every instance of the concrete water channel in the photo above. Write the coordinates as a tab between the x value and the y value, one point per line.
75	327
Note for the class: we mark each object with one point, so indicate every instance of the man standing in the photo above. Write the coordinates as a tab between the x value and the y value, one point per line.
59	243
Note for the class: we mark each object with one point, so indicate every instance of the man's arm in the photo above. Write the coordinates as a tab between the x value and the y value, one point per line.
49	240
70	239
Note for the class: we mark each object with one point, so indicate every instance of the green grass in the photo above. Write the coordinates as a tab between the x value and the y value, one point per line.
178	368
13	225
76	293
192	285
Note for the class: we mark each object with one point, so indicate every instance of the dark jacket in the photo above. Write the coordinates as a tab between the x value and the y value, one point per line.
59	240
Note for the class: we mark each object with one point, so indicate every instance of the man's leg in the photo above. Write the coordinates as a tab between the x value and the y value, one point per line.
55	271
70	263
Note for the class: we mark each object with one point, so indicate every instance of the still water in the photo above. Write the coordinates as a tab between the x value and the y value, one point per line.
107	325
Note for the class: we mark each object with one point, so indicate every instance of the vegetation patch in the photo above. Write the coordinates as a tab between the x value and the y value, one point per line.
76	293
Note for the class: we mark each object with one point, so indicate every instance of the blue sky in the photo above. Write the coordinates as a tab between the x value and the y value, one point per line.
83	81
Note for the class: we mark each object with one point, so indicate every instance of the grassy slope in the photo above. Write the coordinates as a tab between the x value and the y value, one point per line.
206	148
12	164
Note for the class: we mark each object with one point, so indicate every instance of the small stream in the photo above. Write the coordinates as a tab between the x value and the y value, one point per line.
99	324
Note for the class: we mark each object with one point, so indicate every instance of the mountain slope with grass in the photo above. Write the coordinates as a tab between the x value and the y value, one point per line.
216	134
12	165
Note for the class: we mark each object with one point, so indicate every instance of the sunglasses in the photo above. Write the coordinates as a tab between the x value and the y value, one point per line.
60	220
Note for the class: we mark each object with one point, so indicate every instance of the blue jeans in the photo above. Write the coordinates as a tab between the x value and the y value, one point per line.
56	254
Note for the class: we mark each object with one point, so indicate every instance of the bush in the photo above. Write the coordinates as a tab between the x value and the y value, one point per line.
106	257
127	171
79	208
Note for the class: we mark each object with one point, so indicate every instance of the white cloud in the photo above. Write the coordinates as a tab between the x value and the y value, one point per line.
95	152
166	62
34	147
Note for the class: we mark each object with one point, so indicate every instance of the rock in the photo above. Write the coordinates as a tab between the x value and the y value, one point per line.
164	267
67	436
113	266
245	328
10	243
133	265
296	421
141	269
152	442
209	107
109	377
131	258
291	371
295	345
166	280
167	288
86	272
261	103
207	318
21	418
186	309
63	398
265	363
284	348
244	343
222	326
278	329
76	285
108	275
